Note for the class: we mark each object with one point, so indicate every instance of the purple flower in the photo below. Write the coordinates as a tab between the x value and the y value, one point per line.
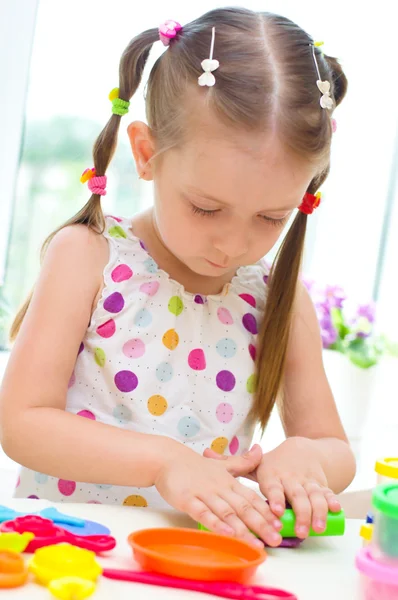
368	311
329	336
335	296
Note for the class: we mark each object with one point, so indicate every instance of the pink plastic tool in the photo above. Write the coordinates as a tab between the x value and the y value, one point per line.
46	534
222	589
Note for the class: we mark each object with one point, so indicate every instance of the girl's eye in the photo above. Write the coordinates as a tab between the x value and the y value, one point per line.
275	222
203	212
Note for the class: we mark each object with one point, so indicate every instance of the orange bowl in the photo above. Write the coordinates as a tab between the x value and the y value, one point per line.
197	555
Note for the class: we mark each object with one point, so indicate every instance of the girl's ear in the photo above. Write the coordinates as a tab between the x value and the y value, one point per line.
143	148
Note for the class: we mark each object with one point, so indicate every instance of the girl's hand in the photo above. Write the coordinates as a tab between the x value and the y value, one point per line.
293	472
208	491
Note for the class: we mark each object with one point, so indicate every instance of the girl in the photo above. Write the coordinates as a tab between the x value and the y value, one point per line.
184	339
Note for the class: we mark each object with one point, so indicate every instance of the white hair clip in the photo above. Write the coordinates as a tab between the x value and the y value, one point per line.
323	86
208	65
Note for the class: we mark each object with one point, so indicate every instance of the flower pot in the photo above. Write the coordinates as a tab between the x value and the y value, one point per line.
353	389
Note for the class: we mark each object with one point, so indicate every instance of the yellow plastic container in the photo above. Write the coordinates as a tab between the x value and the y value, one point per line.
387	470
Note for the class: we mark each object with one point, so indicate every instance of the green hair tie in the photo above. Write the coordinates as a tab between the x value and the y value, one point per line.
119	107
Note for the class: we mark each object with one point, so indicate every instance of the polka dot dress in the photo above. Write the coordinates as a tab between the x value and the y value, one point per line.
159	360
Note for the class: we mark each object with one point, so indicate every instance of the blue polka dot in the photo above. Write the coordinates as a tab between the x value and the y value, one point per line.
226	348
143	318
122	413
164	372
188	426
150	265
41	478
103	486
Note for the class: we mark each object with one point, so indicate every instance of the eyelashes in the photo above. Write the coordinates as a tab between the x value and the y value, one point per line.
212	213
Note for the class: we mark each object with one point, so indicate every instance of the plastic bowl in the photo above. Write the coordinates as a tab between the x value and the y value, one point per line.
198	555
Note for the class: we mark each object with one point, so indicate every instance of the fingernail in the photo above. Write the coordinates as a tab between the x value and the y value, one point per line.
275	537
319	524
227	530
258	543
278	508
278	525
302	530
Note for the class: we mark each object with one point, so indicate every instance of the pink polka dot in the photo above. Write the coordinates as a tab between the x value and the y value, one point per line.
87	414
150	288
224	412
134	348
33	497
106	330
126	381
252	351
249	299
66	487
114	303
265	278
121	273
250	323
234	445
18	482
224	316
197	359
72	380
225	381
116	218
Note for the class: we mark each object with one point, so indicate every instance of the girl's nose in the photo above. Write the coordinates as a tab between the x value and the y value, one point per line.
233	243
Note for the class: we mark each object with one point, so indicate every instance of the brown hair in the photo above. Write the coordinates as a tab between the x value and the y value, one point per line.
267	78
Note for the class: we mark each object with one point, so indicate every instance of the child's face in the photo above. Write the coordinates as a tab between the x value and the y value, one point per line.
223	198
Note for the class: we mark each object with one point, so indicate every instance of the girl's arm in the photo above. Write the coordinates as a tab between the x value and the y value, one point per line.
37	432
35	429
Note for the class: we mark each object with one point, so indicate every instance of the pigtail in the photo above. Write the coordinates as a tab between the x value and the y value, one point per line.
131	68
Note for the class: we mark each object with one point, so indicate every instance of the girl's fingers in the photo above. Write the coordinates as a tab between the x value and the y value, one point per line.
275	494
319	506
259	504
298	498
226	512
251	517
202	514
332	501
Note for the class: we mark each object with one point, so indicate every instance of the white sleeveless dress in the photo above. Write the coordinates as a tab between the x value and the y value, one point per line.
159	360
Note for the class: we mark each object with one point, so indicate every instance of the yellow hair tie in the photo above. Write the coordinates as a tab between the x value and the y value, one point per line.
318	44
87	174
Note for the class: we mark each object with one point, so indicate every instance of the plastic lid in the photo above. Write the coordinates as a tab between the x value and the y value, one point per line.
366	532
370	567
387	467
64	560
385	499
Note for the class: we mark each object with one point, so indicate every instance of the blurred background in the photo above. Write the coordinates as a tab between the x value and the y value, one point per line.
58	62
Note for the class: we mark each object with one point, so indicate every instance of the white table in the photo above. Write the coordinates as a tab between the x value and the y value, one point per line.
322	569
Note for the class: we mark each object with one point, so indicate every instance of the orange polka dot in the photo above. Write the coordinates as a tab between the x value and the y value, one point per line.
219	445
171	339
135	500
157	405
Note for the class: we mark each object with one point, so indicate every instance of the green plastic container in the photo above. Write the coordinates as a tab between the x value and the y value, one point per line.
335	525
385	531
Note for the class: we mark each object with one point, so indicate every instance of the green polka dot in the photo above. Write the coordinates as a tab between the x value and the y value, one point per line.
251	384
117	232
99	356
176	305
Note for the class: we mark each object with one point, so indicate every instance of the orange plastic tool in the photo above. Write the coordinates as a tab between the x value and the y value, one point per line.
12	569
192	554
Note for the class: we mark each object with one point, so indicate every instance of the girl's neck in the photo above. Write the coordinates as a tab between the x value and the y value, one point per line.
143	226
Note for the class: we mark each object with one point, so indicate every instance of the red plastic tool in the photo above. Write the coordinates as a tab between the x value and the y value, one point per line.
46	534
222	589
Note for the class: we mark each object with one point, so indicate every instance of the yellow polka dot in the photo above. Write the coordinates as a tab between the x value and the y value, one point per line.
157	405
251	384
171	339
135	500
219	445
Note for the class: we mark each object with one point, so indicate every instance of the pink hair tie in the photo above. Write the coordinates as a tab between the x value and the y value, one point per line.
97	185
168	30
